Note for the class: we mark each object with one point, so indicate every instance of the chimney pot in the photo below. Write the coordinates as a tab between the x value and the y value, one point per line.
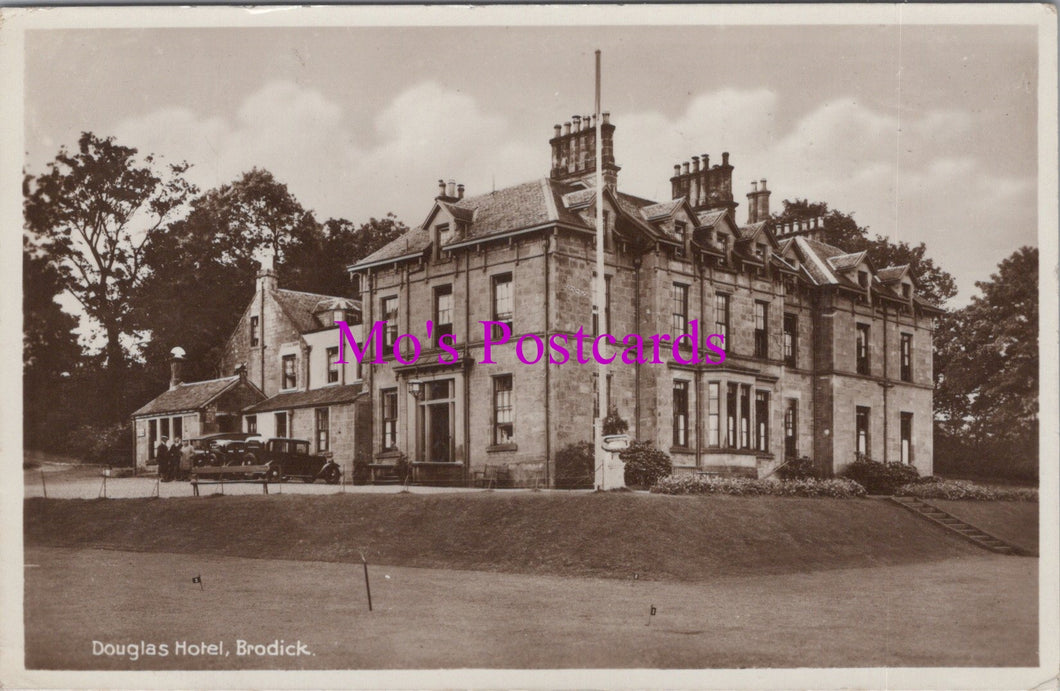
558	129
566	128
684	168
725	158
451	188
706	160
577	123
754	186
607	118
441	188
763	181
460	191
677	169
695	163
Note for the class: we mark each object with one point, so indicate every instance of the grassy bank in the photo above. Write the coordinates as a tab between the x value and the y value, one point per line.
609	535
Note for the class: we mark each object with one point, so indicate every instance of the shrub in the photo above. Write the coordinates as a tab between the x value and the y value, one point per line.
962	489
798	469
361	471
645	464
576	466
403	468
104	444
613	423
740	486
880	478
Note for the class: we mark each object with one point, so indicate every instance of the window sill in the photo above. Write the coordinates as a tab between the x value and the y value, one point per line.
681	449
498	448
389	454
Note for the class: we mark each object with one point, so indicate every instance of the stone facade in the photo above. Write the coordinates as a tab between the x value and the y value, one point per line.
666	264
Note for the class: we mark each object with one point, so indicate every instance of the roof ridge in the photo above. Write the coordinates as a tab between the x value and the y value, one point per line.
305	292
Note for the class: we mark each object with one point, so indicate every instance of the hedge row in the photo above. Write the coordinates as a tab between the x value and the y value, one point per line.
692	484
962	489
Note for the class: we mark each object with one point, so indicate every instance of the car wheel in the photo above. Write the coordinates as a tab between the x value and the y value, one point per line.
273	474
250	459
331	475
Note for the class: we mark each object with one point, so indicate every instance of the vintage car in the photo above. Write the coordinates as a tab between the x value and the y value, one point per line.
290	458
228	448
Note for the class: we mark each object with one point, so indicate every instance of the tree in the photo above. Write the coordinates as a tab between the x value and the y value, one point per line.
201	269
49	347
345	243
92	212
842	231
988	358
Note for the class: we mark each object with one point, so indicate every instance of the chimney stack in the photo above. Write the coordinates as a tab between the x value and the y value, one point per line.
176	367
460	191
705	188
574	151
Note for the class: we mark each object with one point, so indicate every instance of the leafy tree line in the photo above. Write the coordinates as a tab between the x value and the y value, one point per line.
154	263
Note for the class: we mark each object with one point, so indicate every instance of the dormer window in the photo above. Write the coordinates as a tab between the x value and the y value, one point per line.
444	233
760	250
863	279
723	242
680	231
907	290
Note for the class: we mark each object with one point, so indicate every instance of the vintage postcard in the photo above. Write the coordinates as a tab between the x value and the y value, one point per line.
668	346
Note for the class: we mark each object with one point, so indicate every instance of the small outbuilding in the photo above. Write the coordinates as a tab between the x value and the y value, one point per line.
189	410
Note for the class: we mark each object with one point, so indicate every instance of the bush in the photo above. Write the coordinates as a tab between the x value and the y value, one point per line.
613	423
403	469
104	444
749	487
962	489
361	471
798	469
645	464
880	478
576	466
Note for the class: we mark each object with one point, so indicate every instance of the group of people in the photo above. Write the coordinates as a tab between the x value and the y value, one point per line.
174	460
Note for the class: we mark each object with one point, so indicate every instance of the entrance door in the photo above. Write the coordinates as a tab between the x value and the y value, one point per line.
437	430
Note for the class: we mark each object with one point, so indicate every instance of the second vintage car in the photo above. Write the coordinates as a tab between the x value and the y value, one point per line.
290	458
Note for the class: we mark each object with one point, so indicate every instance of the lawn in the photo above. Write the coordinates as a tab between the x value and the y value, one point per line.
972	611
684	538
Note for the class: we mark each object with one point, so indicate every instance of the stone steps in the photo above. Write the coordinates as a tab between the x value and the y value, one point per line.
949	522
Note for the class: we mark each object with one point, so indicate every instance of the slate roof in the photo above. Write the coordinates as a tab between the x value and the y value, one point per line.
842	262
301	307
526	205
328	395
890	274
660	210
748	231
187	396
709	218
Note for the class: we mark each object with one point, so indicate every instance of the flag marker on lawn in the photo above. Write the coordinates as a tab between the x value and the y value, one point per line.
43	484
198	579
367	586
651	614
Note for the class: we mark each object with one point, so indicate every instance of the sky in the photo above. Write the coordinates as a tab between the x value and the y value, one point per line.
924	133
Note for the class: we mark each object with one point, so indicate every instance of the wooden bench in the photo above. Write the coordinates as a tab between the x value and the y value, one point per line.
492	476
219	473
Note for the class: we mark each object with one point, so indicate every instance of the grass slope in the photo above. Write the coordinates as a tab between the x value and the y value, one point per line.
582	534
1015	521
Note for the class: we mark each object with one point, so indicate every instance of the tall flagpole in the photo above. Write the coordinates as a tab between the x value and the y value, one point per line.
601	371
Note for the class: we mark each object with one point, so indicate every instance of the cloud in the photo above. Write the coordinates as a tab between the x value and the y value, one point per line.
910	179
303	137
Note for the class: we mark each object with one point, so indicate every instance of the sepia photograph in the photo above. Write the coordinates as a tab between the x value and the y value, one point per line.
697	346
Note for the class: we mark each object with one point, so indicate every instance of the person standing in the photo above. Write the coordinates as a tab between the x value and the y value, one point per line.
162	457
186	454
